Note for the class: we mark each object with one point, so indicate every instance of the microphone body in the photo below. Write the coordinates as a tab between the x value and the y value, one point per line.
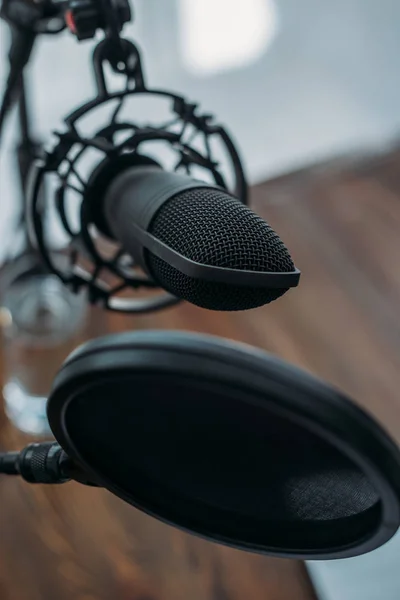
133	198
221	253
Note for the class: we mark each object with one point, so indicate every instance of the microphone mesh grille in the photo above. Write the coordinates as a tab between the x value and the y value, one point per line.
209	226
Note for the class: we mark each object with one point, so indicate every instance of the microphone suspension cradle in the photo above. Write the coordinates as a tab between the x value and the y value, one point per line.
185	142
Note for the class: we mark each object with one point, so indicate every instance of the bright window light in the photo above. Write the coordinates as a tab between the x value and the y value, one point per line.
219	35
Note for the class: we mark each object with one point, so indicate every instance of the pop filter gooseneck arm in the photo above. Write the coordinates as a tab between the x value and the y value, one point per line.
44	462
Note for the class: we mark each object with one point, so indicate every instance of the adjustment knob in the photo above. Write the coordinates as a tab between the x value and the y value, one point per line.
84	17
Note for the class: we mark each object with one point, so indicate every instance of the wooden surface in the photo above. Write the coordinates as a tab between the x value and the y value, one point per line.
342	226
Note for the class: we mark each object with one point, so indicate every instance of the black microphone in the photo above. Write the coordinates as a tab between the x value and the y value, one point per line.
172	193
222	440
195	240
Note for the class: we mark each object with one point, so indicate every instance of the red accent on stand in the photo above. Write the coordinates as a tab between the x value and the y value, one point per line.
69	19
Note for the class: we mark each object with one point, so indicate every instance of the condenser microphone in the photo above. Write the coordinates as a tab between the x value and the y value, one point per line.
196	241
170	197
222	440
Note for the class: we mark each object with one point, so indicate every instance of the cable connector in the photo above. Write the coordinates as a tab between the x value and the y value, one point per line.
85	17
36	463
44	462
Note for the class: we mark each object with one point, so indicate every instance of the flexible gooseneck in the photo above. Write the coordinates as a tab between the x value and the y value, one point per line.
44	462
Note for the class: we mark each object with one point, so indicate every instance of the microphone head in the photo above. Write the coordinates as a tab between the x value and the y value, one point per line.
209	226
229	443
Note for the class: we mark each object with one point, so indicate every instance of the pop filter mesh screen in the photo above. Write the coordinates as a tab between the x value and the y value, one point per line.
190	453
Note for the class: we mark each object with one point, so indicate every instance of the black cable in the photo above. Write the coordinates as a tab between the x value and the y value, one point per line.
9	463
44	462
25	129
22	42
36	463
28	150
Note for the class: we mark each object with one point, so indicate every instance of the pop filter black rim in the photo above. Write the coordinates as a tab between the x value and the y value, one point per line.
252	377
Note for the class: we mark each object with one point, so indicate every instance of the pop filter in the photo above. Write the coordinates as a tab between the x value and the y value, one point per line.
229	443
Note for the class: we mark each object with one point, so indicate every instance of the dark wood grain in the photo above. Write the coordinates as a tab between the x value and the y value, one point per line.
74	542
341	223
